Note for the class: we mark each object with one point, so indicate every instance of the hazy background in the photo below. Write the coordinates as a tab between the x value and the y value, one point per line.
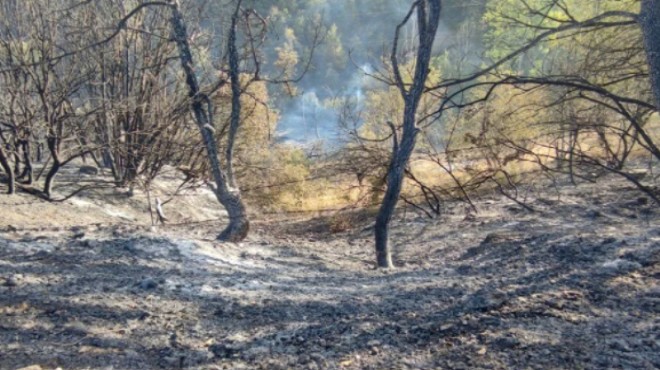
360	34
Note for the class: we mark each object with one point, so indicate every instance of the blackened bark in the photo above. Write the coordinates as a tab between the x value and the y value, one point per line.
428	17
650	22
40	152
50	179
9	171
17	160
26	175
53	147
235	118
226	194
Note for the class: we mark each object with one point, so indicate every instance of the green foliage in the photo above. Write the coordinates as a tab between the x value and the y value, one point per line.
513	23
287	56
510	114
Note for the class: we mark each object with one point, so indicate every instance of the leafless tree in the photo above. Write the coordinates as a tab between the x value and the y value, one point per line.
43	91
228	195
428	20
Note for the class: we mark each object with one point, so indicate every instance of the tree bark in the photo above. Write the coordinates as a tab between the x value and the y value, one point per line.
650	23
40	152
17	160
26	175
6	166
53	147
400	156
227	195
235	118
428	19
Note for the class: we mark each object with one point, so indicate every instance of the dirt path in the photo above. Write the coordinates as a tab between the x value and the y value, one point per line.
571	286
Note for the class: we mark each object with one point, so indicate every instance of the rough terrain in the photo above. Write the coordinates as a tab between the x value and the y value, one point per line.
572	285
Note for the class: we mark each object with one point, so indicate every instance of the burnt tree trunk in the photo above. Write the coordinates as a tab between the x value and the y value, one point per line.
53	147
428	19
235	118
9	171
17	159
228	195
26	175
40	152
401	153
650	23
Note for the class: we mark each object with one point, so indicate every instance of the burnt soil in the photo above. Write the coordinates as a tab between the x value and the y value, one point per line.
573	285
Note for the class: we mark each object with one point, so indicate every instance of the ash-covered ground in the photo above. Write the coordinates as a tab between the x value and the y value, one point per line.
573	285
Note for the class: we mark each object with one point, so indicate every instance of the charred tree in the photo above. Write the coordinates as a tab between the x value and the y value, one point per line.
428	18
9	171
227	194
54	148
26	176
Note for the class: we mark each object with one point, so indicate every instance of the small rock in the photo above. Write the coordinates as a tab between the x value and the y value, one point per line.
513	209
10	282
129	248
148	284
79	235
594	214
223	350
32	367
88	170
506	342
